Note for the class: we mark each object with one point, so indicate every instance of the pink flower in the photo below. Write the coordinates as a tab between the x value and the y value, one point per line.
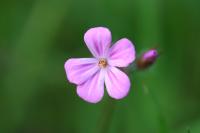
89	74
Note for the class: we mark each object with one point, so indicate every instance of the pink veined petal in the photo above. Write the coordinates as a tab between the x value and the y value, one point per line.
93	89
117	83
98	41
122	53
80	69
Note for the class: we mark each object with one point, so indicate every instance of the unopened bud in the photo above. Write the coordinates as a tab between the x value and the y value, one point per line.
147	59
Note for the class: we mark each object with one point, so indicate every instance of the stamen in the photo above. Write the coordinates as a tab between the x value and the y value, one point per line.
102	63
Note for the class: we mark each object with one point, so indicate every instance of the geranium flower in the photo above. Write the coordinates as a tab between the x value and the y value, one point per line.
90	74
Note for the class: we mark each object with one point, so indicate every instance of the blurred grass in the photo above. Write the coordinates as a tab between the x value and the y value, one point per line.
36	37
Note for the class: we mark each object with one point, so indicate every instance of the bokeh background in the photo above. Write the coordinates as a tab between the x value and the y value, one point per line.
38	36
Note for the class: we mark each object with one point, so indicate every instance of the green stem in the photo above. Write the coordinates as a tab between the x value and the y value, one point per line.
161	119
106	116
188	130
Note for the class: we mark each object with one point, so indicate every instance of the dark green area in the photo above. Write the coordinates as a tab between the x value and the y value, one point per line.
37	37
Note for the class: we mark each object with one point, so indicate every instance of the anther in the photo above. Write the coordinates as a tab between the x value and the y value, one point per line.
102	63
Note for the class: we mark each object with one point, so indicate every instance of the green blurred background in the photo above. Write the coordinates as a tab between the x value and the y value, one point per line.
38	36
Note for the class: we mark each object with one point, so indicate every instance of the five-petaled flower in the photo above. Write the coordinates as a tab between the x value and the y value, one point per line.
89	74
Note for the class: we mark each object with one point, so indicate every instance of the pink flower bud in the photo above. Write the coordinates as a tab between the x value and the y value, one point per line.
147	59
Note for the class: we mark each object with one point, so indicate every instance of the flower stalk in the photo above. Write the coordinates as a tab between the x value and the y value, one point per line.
106	116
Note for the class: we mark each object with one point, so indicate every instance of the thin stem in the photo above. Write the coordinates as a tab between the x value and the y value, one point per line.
161	119
188	130
132	67
106	116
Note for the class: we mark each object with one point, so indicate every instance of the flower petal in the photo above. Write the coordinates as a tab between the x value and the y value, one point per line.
93	89
98	41
80	69
117	83
122	53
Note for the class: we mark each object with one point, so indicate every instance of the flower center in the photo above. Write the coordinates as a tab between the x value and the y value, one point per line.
102	63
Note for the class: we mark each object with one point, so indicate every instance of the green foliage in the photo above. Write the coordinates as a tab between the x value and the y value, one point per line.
37	37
